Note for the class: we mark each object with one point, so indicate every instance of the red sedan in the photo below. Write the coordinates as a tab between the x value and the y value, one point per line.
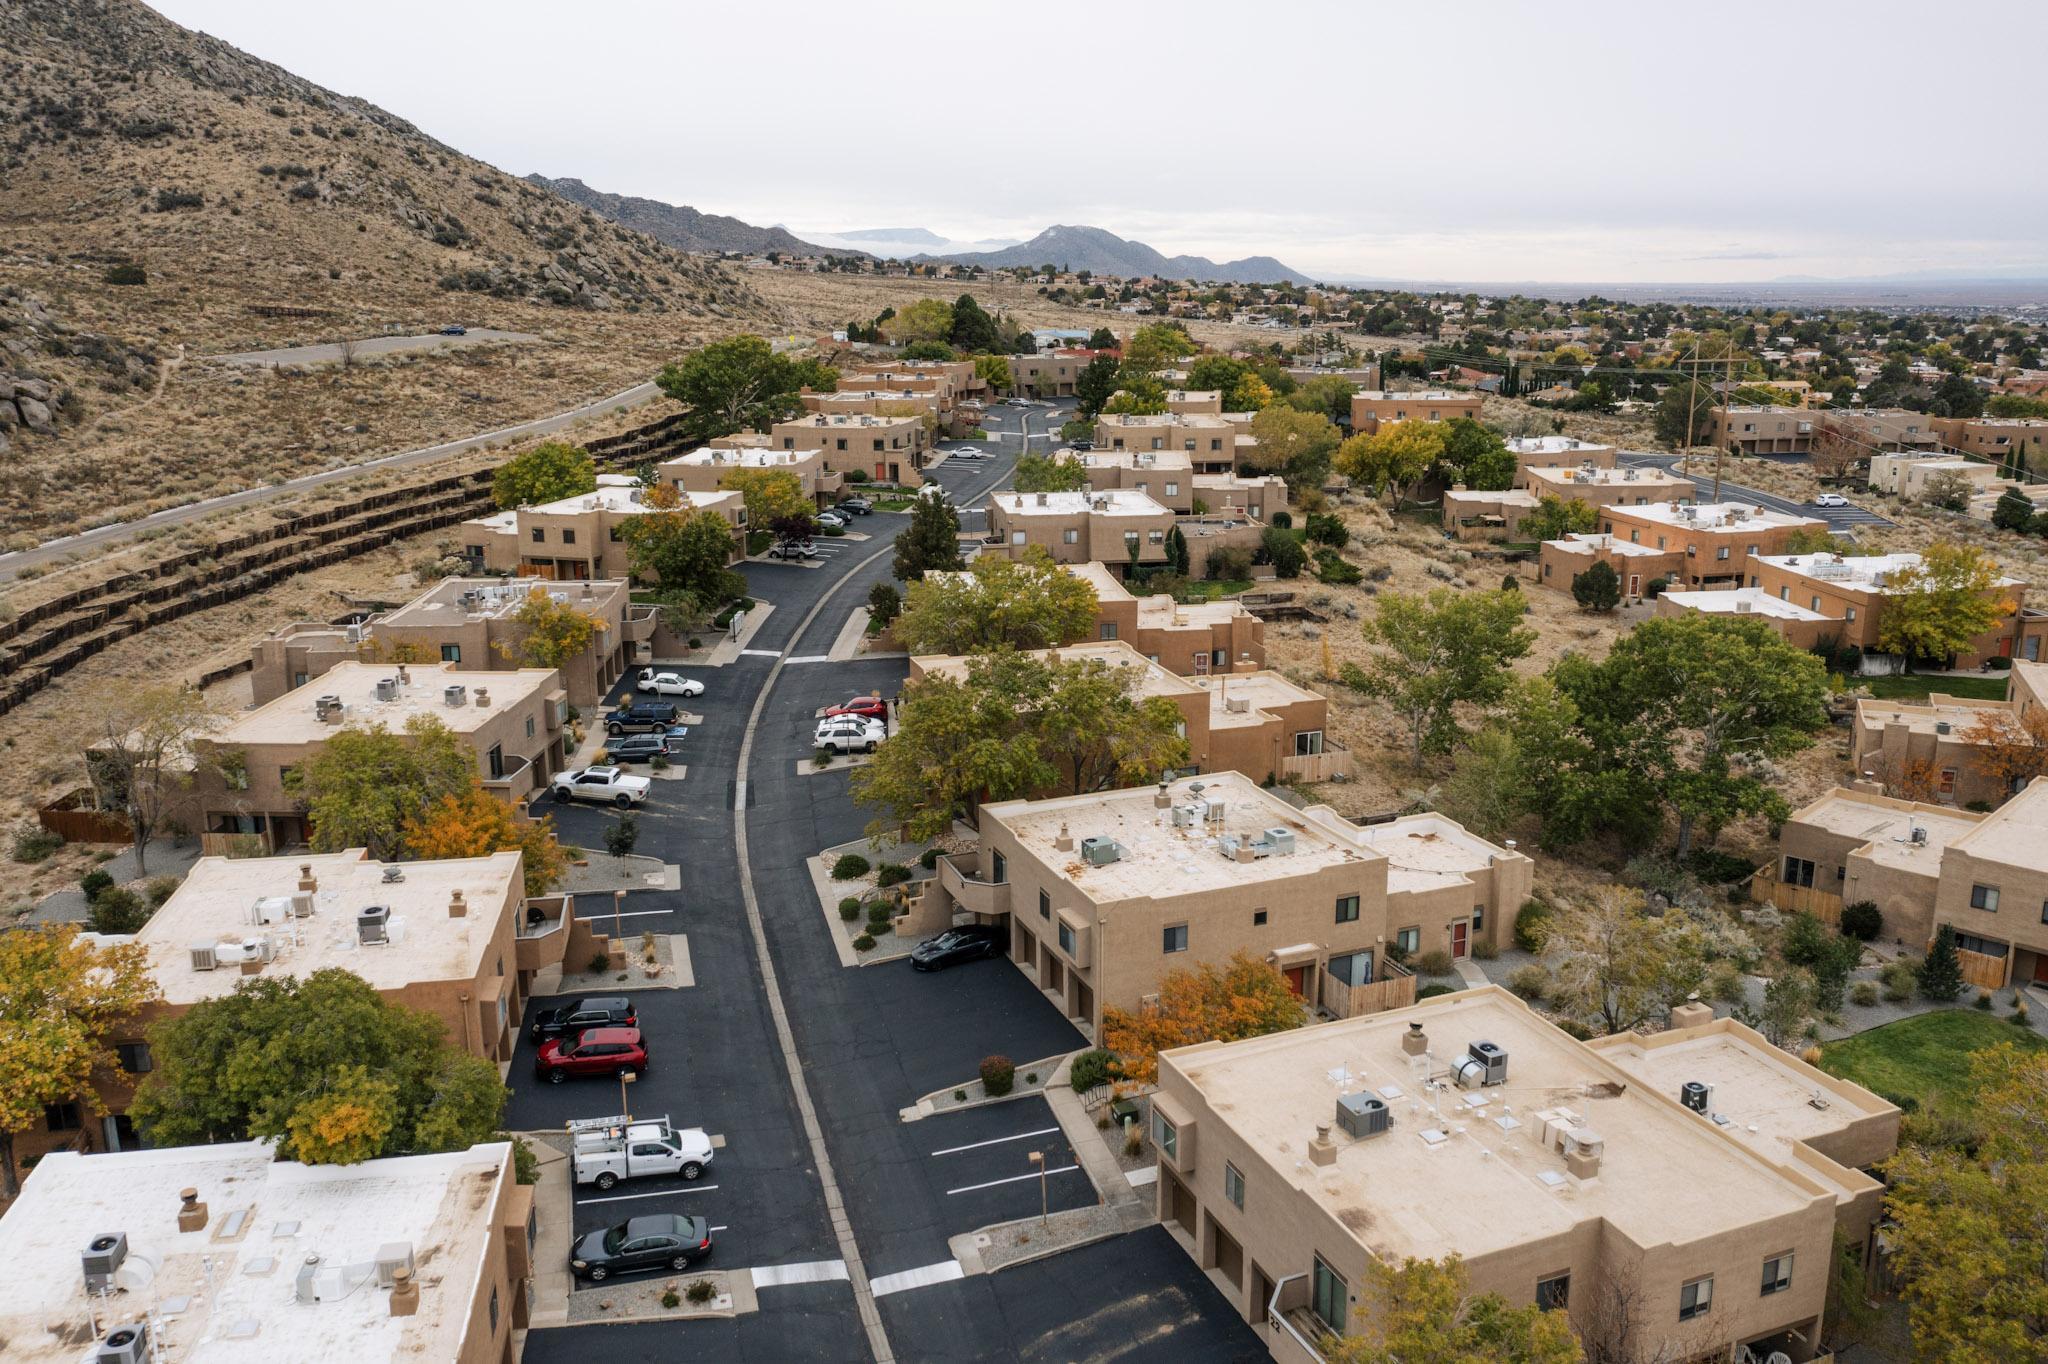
867	707
596	1051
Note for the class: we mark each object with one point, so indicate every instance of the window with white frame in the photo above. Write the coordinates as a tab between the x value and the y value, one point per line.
1777	1274
1696	1299
1233	1186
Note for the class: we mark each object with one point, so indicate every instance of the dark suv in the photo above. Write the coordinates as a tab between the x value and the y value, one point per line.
639	748
602	1011
641	715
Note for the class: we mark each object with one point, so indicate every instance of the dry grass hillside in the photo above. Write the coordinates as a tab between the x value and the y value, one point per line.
135	149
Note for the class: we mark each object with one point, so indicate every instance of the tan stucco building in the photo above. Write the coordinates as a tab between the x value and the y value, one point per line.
1933	749
1714	540
1606	487
1114	529
1909	474
1996	439
1575	1174
1759	430
705	470
583	536
1191	638
1375	408
883	448
1212	444
1853	589
1165	476
1556	452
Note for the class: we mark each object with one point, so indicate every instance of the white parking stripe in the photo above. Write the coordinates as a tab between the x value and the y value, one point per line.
943	1272
761	653
1063	1170
630	914
665	1193
813	658
995	1141
812	1271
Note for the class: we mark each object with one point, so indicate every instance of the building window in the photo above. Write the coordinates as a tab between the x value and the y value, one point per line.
1157	537
1478	917
1347	909
1985	898
1777	1274
1328	1296
1351	968
496	759
1174	938
135	1057
1233	1185
568	535
1130	541
1066	938
1946	785
451	653
529	726
1409	940
1983	947
1798	871
1166	1136
1696	1298
1107	630
1554	1294
1173	490
1721	553
494	1309
2044	911
1259	916
532	1226
1851	615
1072	537
540	535
1308	743
1000	868
61	1117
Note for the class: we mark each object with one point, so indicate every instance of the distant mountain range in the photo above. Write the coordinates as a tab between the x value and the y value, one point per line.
1104	253
903	243
678	225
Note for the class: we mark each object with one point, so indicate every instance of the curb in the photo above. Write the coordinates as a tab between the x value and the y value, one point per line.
924	1108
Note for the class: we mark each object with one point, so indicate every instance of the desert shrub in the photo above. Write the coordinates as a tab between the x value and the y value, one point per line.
1531	982
126	274
1532	925
1283	520
1229	563
1432	991
892	874
117	910
1984	1000
1862	921
1805	941
1134	1140
929	859
701	1290
95	881
622	836
35	844
1899	981
864	943
1435	962
1727	983
598	962
1484	951
169	199
849	866
1654	588
161	888
849	908
1864	993
1571	1027
998	1074
1091	1068
670	1298
1716	867
878	914
1333	567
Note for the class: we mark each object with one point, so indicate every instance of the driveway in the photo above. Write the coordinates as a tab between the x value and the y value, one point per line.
1841	520
332	353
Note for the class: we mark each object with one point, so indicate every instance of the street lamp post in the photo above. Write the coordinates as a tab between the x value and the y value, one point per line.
1038	1163
626	1077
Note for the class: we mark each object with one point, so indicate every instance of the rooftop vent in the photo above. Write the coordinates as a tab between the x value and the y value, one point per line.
1363	1115
1941	726
483	698
1100	852
1415	1041
373	924
103	1255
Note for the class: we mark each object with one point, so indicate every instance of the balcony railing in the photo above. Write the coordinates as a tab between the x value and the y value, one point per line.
1334	761
517	777
640	622
960	880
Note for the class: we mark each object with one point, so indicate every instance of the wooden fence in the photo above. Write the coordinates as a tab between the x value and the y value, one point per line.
1982	970
72	818
1822	904
1395	989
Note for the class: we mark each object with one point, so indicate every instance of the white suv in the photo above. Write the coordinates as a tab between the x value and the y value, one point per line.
850	734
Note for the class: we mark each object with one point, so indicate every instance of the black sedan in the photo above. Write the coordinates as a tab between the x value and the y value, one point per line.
974	942
657	1241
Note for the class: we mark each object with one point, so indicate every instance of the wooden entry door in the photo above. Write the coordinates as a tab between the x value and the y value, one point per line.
1460	932
1635	584
1297	979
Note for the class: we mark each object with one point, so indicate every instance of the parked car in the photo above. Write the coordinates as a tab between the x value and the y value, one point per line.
667	684
637	748
970	452
971	942
850	734
611	1149
793	549
1081	445
596	1011
455	329
859	506
594	1051
1830	500
867	707
640	715
655	1241
608	784
831	520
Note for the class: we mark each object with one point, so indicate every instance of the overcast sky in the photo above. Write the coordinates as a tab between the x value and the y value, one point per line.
1486	141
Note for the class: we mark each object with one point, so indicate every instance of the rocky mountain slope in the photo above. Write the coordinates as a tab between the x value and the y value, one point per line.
1105	253
679	225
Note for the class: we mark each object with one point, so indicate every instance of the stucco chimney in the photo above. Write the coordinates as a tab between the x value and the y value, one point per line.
191	1212
405	1294
1415	1041
1065	842
457	907
1322	1151
1693	1013
306	880
1163	797
483	698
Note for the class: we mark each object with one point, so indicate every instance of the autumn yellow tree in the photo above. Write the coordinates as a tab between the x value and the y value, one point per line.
1938	607
1424	1312
1393	459
770	494
1246	997
476	824
2011	747
553	631
61	999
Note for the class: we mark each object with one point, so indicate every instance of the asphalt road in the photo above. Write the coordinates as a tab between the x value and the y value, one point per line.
868	1041
1845	520
330	353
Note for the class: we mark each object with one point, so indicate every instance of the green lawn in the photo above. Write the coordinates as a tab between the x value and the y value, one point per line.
1209	589
1921	1057
1917	686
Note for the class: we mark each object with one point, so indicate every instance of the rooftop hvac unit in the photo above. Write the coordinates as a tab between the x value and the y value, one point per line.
125	1345
302	905
324	704
202	957
1696	1096
1281	841
373	924
1214	813
1941	726
1917	834
387	689
1237	705
1184	816
1363	1115
103	1255
392	1256
1100	852
354	634
1493	1057
455	695
1583	1141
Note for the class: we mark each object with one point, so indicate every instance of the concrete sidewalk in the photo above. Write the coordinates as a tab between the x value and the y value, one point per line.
554	1201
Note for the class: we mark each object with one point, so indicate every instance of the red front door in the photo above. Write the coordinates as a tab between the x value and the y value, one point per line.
1459	931
1297	978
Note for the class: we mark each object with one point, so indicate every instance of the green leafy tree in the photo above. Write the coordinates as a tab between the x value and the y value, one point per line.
1598	588
1282	549
325	1066
1095	385
1177	552
739	384
1326	394
1940	973
1671	414
1218	372
1044	474
1476	456
1424	1312
1938	607
1620	967
61	1000
548	472
1683	704
1102	338
993	370
928	319
1025	603
885	603
1393	459
1139	395
1436	653
770	494
928	350
1557	517
931	543
685	552
1157	344
366	782
973	329
1296	445
552	632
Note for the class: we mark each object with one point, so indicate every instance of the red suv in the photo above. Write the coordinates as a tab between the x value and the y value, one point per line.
596	1051
867	707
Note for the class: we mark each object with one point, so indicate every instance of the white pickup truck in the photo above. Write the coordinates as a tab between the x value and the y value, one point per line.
611	1149
612	784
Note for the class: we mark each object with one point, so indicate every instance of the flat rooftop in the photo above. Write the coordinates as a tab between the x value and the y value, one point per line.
1596	544
233	901
1715	516
1887	826
1194	395
839	420
1554	445
1159	610
1262	692
460	599
1166	461
1427	852
1505	497
1428	395
1568	476
754	458
2016	833
1861	572
1743	601
1106	502
1200	419
1468	1171
290	719
1958	713
243	1310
